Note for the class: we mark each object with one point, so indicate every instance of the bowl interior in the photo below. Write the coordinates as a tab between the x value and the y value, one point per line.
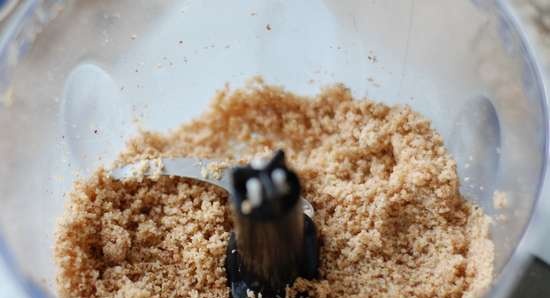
100	65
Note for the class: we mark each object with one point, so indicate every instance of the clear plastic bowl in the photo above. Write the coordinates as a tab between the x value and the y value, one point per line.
69	101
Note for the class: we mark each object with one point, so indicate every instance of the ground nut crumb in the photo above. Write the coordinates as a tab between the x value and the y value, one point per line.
116	242
214	170
150	168
129	290
156	169
500	200
390	216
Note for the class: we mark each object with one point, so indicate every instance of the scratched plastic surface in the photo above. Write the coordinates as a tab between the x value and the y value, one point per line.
100	67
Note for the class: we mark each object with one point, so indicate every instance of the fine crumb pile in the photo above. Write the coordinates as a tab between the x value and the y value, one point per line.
391	220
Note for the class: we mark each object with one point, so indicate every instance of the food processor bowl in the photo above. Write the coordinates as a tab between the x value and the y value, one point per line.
78	78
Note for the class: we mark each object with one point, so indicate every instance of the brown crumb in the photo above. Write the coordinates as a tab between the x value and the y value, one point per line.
214	170
384	188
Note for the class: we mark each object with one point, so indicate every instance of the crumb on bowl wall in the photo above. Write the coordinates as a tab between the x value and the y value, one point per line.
500	200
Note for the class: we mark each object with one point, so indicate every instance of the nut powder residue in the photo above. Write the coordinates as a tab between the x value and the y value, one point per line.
391	220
